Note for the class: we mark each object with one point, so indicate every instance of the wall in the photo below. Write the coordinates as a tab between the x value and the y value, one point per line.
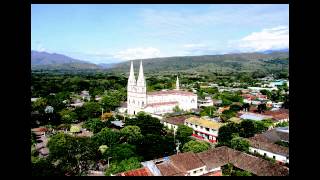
270	154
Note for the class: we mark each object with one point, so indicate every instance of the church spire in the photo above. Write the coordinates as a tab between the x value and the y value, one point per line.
177	84
132	78
141	80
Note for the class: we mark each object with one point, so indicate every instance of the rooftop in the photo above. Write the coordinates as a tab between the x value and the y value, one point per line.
144	171
162	104
254	116
177	120
204	122
268	146
171	92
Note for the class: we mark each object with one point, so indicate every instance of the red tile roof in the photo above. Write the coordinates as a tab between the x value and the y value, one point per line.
136	172
267	146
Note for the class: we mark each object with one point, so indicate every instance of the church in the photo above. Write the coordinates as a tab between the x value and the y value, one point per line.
158	102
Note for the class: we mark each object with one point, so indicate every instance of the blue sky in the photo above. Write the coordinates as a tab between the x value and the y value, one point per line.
112	33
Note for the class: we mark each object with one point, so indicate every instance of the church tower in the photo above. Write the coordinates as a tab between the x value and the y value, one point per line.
131	90
141	88
177	84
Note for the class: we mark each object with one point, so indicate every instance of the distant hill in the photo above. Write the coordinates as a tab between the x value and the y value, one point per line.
44	60
239	62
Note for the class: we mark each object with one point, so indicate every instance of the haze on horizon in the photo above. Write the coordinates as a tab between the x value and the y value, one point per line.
114	33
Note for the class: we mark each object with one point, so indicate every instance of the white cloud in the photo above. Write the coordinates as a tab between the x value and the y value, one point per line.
40	47
273	38
137	53
194	45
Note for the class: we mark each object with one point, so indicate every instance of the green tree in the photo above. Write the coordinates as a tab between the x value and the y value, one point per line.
107	137
226	132
95	125
89	110
247	128
125	165
183	133
262	108
121	152
146	123
68	116
132	134
72	154
239	144
177	109
195	146
39	105
208	111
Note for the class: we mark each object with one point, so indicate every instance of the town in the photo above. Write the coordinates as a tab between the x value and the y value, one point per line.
195	128
159	90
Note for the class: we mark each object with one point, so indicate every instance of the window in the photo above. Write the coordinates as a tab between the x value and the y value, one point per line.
142	103
201	127
207	129
194	172
264	154
196	126
255	151
274	157
201	170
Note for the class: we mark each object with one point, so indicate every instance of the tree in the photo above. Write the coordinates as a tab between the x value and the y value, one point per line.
183	133
195	146
106	137
262	108
106	116
208	111
68	116
226	132
235	108
229	113
121	152
247	128
75	129
39	105
146	123
246	107
239	144
125	165
89	110
177	109
103	149
73	155
132	134
95	125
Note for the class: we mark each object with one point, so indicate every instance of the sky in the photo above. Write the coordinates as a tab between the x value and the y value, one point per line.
109	33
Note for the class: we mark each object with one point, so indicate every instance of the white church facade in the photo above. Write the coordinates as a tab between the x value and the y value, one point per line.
159	102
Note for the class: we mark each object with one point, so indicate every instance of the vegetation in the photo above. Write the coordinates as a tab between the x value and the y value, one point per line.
183	133
195	146
125	165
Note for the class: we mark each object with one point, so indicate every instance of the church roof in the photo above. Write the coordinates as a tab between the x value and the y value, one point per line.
162	104
171	92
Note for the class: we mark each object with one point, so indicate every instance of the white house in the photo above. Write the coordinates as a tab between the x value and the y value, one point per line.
203	128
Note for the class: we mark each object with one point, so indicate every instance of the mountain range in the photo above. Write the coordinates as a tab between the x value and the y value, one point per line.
236	62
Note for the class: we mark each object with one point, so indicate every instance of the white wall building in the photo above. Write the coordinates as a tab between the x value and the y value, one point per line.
159	102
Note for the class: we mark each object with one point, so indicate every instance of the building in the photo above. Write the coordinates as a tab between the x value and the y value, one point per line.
268	149
159	102
173	122
206	102
253	116
208	163
203	128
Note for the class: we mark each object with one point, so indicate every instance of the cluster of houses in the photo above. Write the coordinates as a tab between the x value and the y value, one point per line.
207	163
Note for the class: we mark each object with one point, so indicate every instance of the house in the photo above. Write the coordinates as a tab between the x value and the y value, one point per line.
203	128
268	149
85	95
206	102
182	164
173	122
209	163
